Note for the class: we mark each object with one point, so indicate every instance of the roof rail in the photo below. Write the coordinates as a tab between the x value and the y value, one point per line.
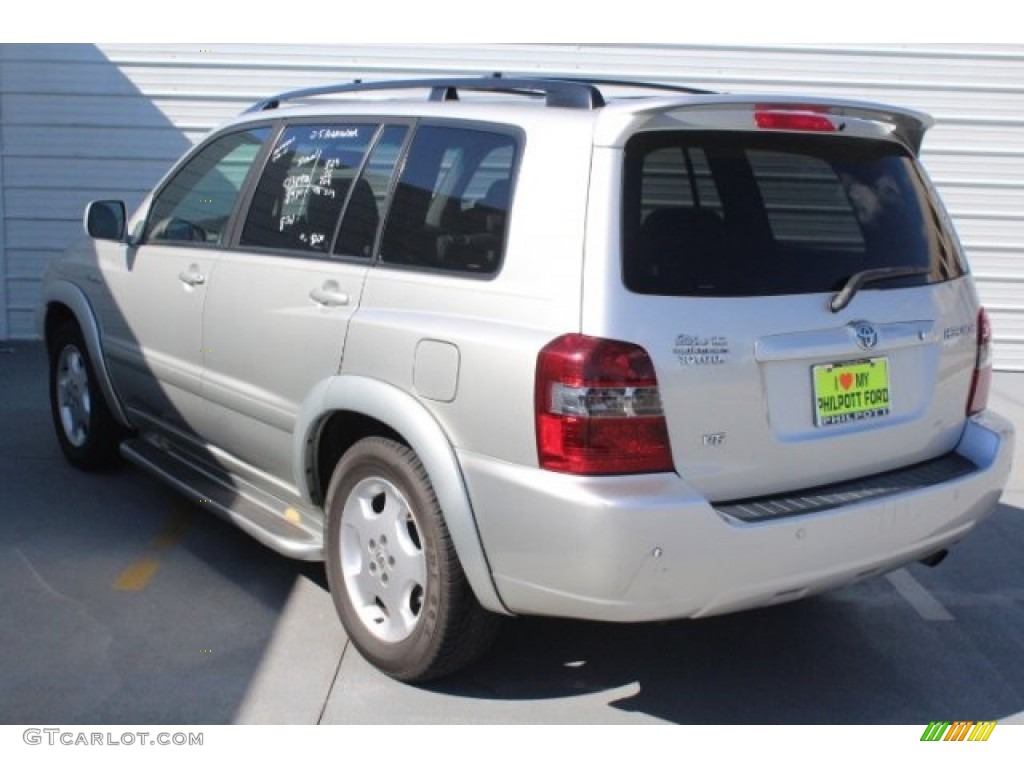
557	92
637	84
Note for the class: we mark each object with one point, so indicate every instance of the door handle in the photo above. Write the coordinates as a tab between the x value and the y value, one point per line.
193	276
329	295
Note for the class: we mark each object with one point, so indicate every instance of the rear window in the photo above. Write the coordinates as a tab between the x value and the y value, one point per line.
745	214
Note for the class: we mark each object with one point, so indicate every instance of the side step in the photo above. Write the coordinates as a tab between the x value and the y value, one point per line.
285	529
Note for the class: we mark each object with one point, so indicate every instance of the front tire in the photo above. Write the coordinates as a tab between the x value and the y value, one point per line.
394	575
88	434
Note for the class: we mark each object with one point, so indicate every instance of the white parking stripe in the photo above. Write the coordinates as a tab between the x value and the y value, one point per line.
920	599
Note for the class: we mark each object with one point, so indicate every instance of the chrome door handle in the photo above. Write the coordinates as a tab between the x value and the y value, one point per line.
328	295
192	277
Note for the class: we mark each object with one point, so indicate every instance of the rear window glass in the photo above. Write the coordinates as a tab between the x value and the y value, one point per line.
740	214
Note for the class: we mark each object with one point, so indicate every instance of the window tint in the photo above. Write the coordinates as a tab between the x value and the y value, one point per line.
806	201
678	176
305	185
450	207
196	204
735	214
362	214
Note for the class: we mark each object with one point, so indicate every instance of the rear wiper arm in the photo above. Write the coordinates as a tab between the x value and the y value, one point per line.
858	280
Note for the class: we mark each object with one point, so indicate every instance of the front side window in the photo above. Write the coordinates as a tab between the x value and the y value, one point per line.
738	214
305	186
195	205
450	208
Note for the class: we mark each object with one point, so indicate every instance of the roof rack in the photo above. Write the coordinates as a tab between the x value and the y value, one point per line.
557	92
637	84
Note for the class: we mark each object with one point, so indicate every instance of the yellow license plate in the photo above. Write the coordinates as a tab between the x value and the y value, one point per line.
849	392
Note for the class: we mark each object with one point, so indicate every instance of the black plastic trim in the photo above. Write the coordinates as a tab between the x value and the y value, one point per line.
573	94
952	466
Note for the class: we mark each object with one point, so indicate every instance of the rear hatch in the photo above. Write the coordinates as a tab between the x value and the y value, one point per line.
803	299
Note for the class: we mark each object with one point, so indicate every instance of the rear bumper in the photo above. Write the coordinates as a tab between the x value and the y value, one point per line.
643	548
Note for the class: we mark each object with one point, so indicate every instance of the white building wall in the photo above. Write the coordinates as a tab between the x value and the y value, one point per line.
81	121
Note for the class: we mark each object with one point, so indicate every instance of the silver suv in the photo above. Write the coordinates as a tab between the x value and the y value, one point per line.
502	346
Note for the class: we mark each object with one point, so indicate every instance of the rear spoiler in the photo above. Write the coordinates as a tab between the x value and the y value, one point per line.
906	125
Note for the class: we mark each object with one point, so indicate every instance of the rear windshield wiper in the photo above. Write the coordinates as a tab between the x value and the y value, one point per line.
858	280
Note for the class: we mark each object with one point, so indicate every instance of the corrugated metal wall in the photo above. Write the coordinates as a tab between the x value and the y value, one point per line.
79	121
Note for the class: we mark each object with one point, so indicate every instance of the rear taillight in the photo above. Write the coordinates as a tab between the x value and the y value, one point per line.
598	409
982	380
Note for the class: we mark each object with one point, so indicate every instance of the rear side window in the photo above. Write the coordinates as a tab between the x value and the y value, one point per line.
450	207
742	214
359	226
305	186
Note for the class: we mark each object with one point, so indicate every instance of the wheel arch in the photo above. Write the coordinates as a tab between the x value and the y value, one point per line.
343	409
64	301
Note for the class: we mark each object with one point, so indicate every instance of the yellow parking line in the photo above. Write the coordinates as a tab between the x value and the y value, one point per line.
175	529
136	577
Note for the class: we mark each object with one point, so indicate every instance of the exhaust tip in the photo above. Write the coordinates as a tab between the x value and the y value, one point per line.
934	558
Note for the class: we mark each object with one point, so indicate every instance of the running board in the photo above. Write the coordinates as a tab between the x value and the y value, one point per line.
271	521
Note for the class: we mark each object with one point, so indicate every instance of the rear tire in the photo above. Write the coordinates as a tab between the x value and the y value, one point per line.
88	434
394	575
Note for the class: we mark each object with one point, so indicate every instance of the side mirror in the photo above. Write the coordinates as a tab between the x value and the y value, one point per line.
105	220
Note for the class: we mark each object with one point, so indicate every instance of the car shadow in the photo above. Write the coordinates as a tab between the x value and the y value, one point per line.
860	655
82	644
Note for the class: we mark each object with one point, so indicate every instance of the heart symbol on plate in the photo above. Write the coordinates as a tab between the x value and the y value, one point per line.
845	380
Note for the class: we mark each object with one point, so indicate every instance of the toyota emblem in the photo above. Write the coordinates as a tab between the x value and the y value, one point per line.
866	335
